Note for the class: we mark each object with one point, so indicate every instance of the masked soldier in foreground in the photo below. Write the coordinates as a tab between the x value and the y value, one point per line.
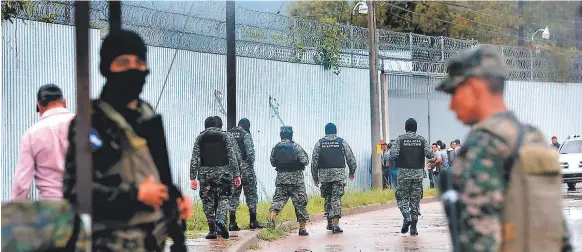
215	164
289	159
328	167
244	139
507	178
127	190
409	151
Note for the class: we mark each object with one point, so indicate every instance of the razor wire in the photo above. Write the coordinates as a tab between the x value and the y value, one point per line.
201	26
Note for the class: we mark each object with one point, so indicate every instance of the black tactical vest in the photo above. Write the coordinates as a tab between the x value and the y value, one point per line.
239	136
331	154
213	150
411	153
286	158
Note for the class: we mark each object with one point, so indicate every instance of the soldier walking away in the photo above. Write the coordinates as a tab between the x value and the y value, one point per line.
289	159
43	148
127	190
504	170
215	164
244	140
328	167
409	151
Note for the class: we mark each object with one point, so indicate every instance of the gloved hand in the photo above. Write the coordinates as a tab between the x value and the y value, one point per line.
194	184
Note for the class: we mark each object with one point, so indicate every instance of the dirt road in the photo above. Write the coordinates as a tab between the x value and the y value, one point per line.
380	231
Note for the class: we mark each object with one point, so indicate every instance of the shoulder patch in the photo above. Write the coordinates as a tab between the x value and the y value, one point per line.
94	139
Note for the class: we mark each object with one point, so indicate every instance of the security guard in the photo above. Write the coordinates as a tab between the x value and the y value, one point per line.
125	176
214	163
409	151
328	168
506	178
289	159
244	140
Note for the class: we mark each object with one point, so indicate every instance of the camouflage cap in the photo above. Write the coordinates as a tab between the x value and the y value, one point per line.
474	62
286	129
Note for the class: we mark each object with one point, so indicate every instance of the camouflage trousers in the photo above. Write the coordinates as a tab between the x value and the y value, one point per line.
249	184
298	196
123	240
408	195
332	193
215	197
42	226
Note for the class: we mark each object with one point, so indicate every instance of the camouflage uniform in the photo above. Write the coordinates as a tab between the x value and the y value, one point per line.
478	175
110	192
249	178
291	185
42	226
332	179
409	189
215	182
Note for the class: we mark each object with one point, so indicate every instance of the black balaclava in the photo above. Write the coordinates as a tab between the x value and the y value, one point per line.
218	122
48	93
330	128
245	124
122	87
410	125
210	122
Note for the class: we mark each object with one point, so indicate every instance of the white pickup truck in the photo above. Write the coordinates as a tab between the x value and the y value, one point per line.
571	161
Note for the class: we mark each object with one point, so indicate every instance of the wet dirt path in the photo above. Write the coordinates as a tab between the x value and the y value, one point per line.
380	231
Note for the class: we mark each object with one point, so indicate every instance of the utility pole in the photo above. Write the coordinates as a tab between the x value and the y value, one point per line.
521	31
374	96
114	15
230	65
84	181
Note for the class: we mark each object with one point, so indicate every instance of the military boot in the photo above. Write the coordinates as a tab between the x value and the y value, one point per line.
329	223
405	224
302	230
272	218
221	226
212	233
335	226
254	224
413	230
233	226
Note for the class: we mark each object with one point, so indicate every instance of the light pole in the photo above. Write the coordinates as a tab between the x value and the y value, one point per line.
360	8
545	33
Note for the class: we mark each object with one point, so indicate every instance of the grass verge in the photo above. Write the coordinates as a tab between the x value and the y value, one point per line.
197	224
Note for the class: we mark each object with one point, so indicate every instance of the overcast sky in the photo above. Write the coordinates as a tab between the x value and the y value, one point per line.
266	6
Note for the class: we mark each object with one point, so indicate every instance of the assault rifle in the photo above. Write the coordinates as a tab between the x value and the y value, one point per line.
152	129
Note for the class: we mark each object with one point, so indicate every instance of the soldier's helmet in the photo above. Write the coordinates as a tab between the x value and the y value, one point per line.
478	61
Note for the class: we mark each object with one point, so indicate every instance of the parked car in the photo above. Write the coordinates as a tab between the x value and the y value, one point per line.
571	161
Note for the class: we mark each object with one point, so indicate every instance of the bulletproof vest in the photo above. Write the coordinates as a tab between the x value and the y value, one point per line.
134	166
532	209
213	150
331	153
411	154
286	158
239	136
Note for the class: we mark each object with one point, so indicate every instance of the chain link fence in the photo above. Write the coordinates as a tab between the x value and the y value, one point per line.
201	27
